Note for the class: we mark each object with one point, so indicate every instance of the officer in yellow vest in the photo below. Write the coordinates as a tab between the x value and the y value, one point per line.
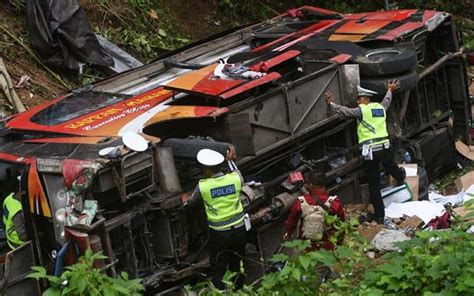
373	139
225	214
14	221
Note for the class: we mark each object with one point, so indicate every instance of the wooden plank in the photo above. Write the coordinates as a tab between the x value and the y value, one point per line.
7	87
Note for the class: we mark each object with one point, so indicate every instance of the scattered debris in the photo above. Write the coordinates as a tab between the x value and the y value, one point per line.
462	212
454	200
413	222
463	182
386	239
396	194
24	81
424	209
464	150
85	217
440	222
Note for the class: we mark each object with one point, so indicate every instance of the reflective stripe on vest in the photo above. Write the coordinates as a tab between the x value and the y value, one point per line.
11	207
221	197
373	123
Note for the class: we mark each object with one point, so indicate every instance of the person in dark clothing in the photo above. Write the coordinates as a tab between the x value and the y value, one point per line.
374	141
225	214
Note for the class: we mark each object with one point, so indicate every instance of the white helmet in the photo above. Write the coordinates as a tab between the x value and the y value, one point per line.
208	157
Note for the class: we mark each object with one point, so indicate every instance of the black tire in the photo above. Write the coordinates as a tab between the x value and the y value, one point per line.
386	61
408	81
188	148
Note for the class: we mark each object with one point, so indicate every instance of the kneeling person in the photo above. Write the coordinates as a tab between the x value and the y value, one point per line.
310	208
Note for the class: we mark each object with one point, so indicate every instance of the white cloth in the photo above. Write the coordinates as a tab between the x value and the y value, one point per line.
425	210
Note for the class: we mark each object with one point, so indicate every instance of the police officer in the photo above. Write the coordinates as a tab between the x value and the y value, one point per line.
14	221
373	139
225	214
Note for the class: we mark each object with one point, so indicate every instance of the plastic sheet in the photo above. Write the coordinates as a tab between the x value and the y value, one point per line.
123	61
61	35
386	239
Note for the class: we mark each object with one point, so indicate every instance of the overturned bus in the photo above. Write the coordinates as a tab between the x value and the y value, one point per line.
259	88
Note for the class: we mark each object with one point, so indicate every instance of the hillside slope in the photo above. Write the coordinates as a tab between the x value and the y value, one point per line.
146	29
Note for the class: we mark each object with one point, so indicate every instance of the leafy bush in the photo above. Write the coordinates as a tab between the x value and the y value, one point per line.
308	272
83	279
432	263
435	262
141	27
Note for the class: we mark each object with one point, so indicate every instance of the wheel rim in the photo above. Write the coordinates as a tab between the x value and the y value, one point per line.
381	54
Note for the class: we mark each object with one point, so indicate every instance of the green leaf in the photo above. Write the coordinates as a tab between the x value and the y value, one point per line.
297	244
344	252
296	274
279	258
161	32
323	256
305	261
121	289
52	292
124	275
81	285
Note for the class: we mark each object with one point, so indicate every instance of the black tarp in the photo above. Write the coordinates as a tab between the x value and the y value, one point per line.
61	35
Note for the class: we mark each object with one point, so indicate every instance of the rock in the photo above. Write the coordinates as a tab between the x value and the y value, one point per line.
371	255
386	239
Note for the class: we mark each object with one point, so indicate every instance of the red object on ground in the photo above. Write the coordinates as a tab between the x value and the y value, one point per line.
441	222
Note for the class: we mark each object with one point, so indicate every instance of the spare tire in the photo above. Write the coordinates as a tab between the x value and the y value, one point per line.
386	61
408	80
188	148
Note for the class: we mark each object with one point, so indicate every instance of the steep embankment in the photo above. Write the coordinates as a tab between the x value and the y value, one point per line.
148	28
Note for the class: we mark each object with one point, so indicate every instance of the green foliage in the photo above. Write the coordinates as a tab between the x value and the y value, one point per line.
245	11
142	28
301	274
304	273
84	280
434	263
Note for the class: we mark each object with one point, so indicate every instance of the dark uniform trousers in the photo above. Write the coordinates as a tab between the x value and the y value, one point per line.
226	250
372	170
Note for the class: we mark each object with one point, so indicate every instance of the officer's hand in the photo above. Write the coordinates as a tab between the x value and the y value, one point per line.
393	85
328	96
185	197
231	153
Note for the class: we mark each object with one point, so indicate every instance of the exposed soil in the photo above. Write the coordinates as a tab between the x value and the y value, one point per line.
19	62
199	18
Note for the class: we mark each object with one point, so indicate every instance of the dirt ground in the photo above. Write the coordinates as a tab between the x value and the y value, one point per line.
19	61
